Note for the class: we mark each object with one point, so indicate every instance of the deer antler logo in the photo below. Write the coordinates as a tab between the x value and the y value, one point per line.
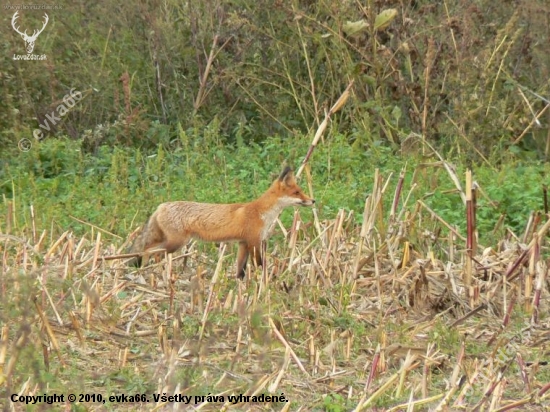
29	40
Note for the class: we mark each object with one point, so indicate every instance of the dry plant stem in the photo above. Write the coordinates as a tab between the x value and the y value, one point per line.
33	224
96	251
544	389
16	351
53	248
452	30
203	92
76	326
500	67
469	233
499	223
508	314
524	373
545	200
321	129
533	262
265	277
47	294
404	211
285	343
213	283
535	119
496	382
528	227
49	331
263	109
364	403
510	274
528	104
542	272
333	238
3	348
474	218
481	307
373	368
158	82
514	405
310	75
170	275
466	387
409	360
454	381
204	77
430	54
463	135
293	238
10	218
362	237
425	373
275	384
397	195
377	274
443	405
409	406
452	229
95	227
375	205
295	94
309	179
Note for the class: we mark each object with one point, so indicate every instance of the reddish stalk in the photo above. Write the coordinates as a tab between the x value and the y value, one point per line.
373	368
397	195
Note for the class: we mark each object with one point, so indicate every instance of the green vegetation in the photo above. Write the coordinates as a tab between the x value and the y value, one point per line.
117	188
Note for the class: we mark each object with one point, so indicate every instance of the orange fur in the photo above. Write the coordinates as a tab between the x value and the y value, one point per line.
173	224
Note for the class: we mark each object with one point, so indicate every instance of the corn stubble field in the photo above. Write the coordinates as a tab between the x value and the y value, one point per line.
399	313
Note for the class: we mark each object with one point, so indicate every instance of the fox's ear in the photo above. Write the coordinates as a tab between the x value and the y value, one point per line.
286	173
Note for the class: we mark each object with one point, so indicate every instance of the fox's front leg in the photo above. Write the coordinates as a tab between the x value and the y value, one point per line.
245	249
257	252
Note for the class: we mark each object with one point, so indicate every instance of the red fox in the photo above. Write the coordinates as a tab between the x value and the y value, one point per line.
173	224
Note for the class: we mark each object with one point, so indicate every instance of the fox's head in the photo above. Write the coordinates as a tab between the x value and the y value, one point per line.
288	191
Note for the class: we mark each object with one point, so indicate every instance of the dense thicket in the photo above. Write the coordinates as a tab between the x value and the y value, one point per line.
467	76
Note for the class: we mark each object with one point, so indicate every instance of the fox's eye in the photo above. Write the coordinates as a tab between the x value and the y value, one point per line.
297	192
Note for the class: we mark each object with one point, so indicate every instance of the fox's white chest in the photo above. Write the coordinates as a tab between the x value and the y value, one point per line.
269	219
270	216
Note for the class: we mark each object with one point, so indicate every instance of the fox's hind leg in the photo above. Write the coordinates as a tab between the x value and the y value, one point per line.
154	237
242	258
